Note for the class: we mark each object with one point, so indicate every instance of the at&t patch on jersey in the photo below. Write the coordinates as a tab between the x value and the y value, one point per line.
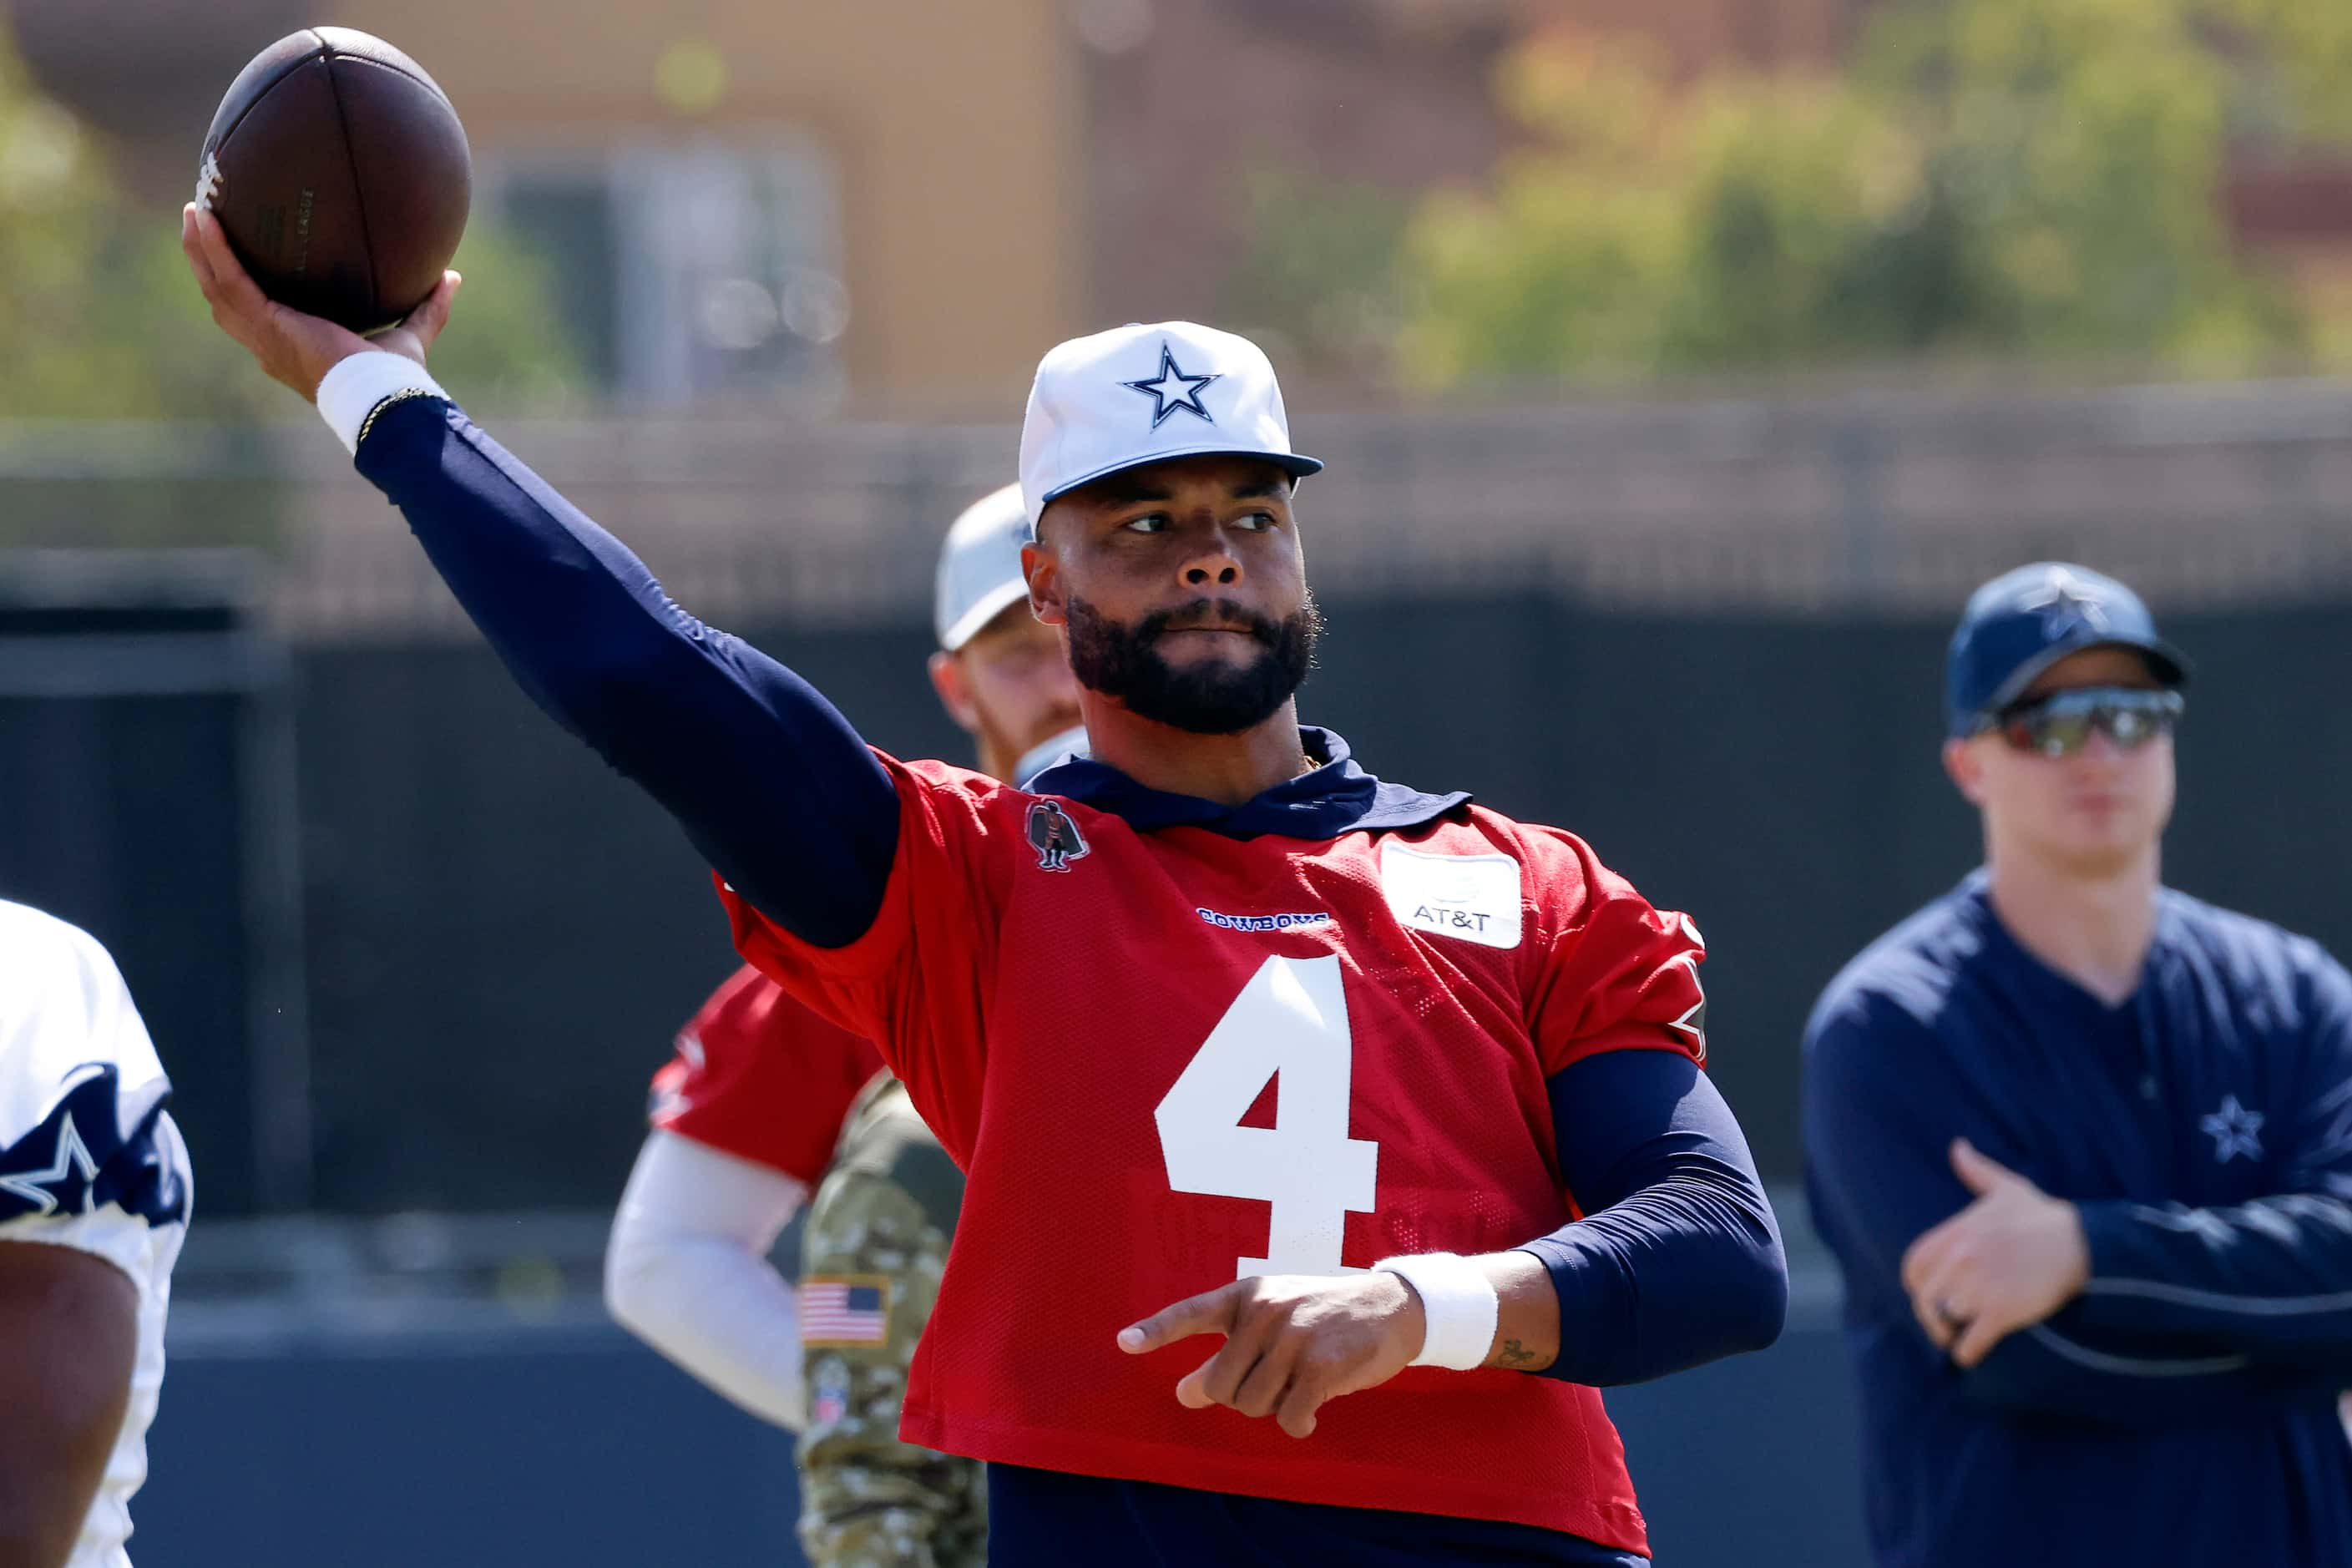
1471	897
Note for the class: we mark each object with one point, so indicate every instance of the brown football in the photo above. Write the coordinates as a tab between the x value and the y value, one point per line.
340	174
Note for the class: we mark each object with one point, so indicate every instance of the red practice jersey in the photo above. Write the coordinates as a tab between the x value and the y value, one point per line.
758	1076
1170	1060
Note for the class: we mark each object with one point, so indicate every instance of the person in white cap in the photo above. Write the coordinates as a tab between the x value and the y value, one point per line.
763	1103
1231	1037
999	670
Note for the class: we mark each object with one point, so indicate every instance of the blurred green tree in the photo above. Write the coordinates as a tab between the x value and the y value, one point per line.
1991	178
1317	275
102	321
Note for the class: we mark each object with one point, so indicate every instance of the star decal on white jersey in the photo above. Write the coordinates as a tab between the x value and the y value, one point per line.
40	1188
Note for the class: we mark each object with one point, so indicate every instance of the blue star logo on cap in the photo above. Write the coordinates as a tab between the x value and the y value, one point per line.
2066	604
1186	393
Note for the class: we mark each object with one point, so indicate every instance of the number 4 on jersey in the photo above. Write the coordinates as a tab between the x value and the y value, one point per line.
1291	1019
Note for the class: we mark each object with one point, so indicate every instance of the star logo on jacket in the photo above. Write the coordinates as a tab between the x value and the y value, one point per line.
2066	604
2234	1130
1054	834
64	1184
1186	393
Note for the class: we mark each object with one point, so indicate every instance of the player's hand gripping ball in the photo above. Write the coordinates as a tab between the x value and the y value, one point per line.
340	176
1292	1342
290	347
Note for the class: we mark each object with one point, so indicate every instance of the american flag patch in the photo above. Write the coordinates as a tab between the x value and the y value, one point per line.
845	1310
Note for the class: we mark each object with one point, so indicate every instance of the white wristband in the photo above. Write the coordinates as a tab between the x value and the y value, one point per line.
1457	1301
350	392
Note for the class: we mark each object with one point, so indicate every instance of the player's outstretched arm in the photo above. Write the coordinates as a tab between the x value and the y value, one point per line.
771	784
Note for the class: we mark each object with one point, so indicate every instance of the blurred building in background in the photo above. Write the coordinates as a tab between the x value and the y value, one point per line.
730	198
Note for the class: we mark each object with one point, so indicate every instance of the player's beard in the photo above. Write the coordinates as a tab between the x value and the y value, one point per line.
1123	662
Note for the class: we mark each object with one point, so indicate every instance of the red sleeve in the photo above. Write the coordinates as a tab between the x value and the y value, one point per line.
758	1076
1616	974
920	982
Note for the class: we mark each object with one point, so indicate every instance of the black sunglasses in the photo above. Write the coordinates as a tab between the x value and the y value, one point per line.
2062	723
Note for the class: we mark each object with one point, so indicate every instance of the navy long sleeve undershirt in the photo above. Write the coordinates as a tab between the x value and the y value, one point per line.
732	744
1678	1260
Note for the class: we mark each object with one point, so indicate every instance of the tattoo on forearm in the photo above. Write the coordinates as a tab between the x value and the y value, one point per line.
1514	1354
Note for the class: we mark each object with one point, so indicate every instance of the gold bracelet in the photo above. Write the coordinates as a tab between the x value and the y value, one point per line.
377	412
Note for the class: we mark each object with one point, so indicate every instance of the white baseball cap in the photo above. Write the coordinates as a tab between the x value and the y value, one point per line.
980	567
1141	395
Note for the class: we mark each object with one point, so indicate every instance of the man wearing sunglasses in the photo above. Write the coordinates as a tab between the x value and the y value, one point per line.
2082	1146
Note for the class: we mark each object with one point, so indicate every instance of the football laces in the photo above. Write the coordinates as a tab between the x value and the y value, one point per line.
208	183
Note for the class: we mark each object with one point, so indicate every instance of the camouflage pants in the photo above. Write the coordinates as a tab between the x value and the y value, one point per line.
874	1247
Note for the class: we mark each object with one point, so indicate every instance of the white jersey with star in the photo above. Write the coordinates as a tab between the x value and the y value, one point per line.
89	1159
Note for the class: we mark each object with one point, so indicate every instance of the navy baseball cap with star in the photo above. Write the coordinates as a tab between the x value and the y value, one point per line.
2022	622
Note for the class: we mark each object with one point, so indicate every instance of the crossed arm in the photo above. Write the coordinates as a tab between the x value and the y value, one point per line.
2119	1313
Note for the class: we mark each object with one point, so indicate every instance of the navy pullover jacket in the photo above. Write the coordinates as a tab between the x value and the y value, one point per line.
1677	1260
2183	1409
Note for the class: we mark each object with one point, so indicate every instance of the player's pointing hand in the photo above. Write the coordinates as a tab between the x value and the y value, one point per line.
294	349
1292	1342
